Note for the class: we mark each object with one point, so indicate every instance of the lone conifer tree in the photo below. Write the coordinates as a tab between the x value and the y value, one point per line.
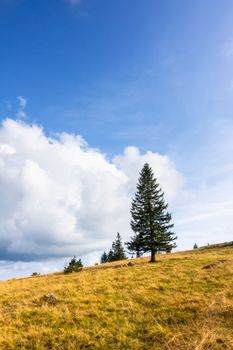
150	219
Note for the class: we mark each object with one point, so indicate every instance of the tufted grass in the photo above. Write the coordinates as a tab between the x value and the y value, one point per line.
174	304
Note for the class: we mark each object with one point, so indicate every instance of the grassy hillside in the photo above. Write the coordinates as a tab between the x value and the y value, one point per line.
184	301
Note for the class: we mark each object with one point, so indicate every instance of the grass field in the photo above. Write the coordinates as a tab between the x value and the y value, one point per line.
184	301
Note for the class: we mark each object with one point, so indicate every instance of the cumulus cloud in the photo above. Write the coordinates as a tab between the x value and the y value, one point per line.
131	162
60	197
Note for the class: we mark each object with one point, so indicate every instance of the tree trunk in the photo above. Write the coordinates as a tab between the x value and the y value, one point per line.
152	257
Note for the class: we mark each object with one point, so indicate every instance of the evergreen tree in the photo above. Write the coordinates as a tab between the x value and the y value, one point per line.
135	245
195	246
150	219
118	248
104	258
110	256
117	251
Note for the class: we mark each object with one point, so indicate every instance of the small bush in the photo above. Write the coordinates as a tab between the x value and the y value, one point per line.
74	266
35	274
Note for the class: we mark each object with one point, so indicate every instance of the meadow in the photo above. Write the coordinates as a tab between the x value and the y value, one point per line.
182	302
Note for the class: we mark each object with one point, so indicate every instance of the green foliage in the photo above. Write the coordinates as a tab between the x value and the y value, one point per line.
195	246
110	255
150	219
73	266
135	245
117	251
35	274
104	258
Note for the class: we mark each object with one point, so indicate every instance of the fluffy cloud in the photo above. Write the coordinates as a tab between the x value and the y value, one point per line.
171	181
60	197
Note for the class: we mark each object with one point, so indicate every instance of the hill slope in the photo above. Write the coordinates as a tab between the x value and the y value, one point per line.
184	301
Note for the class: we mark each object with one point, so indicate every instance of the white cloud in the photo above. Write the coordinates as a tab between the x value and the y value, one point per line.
22	102
6	150
11	269
131	162
21	114
60	197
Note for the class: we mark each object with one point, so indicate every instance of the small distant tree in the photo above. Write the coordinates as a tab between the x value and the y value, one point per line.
195	246
150	219
73	266
110	255
118	249
135	245
104	258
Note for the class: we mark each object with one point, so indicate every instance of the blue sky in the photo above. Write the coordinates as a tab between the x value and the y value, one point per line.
115	66
157	75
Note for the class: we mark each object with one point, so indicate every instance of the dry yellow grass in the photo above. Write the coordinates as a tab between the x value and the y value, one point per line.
174	304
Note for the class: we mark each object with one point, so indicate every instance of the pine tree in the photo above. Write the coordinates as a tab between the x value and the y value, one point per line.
117	251
195	246
104	258
135	245
150	219
118	248
110	255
